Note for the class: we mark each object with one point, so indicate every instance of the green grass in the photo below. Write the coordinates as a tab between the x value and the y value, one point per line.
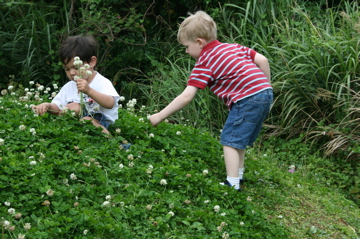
274	204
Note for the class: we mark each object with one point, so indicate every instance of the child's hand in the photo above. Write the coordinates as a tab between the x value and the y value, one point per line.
155	119
41	109
82	85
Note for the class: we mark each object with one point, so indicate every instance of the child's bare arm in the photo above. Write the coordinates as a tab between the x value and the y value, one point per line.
263	63
177	104
46	107
106	101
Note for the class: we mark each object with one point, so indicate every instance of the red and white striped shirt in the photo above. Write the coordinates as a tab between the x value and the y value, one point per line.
229	71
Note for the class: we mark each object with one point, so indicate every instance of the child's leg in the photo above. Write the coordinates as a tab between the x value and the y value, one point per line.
74	107
234	163
96	123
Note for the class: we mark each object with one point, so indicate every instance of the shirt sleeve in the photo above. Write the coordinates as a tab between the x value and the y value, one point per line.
200	77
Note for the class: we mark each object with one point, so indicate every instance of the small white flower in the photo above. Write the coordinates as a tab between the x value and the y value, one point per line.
249	199
141	120
88	73
118	130
22	127
151	135
217	208
2	141
225	235
205	172
11	211
130	157
106	204
121	166
10	87
108	197
21	236
280	216
171	213
55	86
40	88
206	201
163	182
122	98
242	223
85	232
32	130
50	192
33	162
76	78
6	223
73	176
178	133
131	164
223	214
27	226
7	204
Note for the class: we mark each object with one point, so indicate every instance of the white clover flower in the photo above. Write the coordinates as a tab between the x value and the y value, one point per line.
280	216
122	98
27	226
2	141
13	93
249	199
41	88
163	182
151	135
76	58
223	214
150	167
118	130
32	130
22	127
121	166
33	162
21	236
11	211
4	92
10	87
206	201
73	176
242	223
7	204
149	207
85	232
106	204
131	164
205	172
178	133
225	235
130	157
88	73
31	83
108	197
141	120
50	192
171	213
55	86
6	223
76	78
217	208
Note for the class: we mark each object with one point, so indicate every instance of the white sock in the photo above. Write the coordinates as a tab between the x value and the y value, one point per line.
241	172
234	182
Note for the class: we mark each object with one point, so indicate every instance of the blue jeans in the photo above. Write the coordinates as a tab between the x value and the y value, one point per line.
245	120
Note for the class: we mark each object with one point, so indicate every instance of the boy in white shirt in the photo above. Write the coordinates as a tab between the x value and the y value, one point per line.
99	94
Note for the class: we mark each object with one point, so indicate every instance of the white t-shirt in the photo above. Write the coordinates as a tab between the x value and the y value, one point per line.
69	94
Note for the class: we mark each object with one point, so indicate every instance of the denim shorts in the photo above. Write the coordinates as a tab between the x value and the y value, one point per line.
101	118
245	120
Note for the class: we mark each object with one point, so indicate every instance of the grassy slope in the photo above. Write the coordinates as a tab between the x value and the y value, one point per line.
307	207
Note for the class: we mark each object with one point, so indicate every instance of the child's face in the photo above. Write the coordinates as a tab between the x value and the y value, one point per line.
193	48
71	70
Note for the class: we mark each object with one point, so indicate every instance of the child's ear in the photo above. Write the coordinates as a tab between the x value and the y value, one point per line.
202	42
93	61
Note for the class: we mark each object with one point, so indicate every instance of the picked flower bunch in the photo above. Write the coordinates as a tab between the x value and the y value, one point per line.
82	72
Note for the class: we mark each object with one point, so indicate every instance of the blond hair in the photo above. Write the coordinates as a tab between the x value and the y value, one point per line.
198	25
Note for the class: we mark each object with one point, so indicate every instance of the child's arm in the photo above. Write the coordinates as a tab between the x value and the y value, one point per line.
263	63
106	101
177	104
46	107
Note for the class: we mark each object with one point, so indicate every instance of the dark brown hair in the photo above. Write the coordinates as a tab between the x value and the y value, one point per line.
83	46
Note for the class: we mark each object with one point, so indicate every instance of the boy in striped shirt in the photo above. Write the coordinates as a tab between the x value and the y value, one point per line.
238	75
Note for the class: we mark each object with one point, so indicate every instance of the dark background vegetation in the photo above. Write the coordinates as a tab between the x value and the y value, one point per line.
313	47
